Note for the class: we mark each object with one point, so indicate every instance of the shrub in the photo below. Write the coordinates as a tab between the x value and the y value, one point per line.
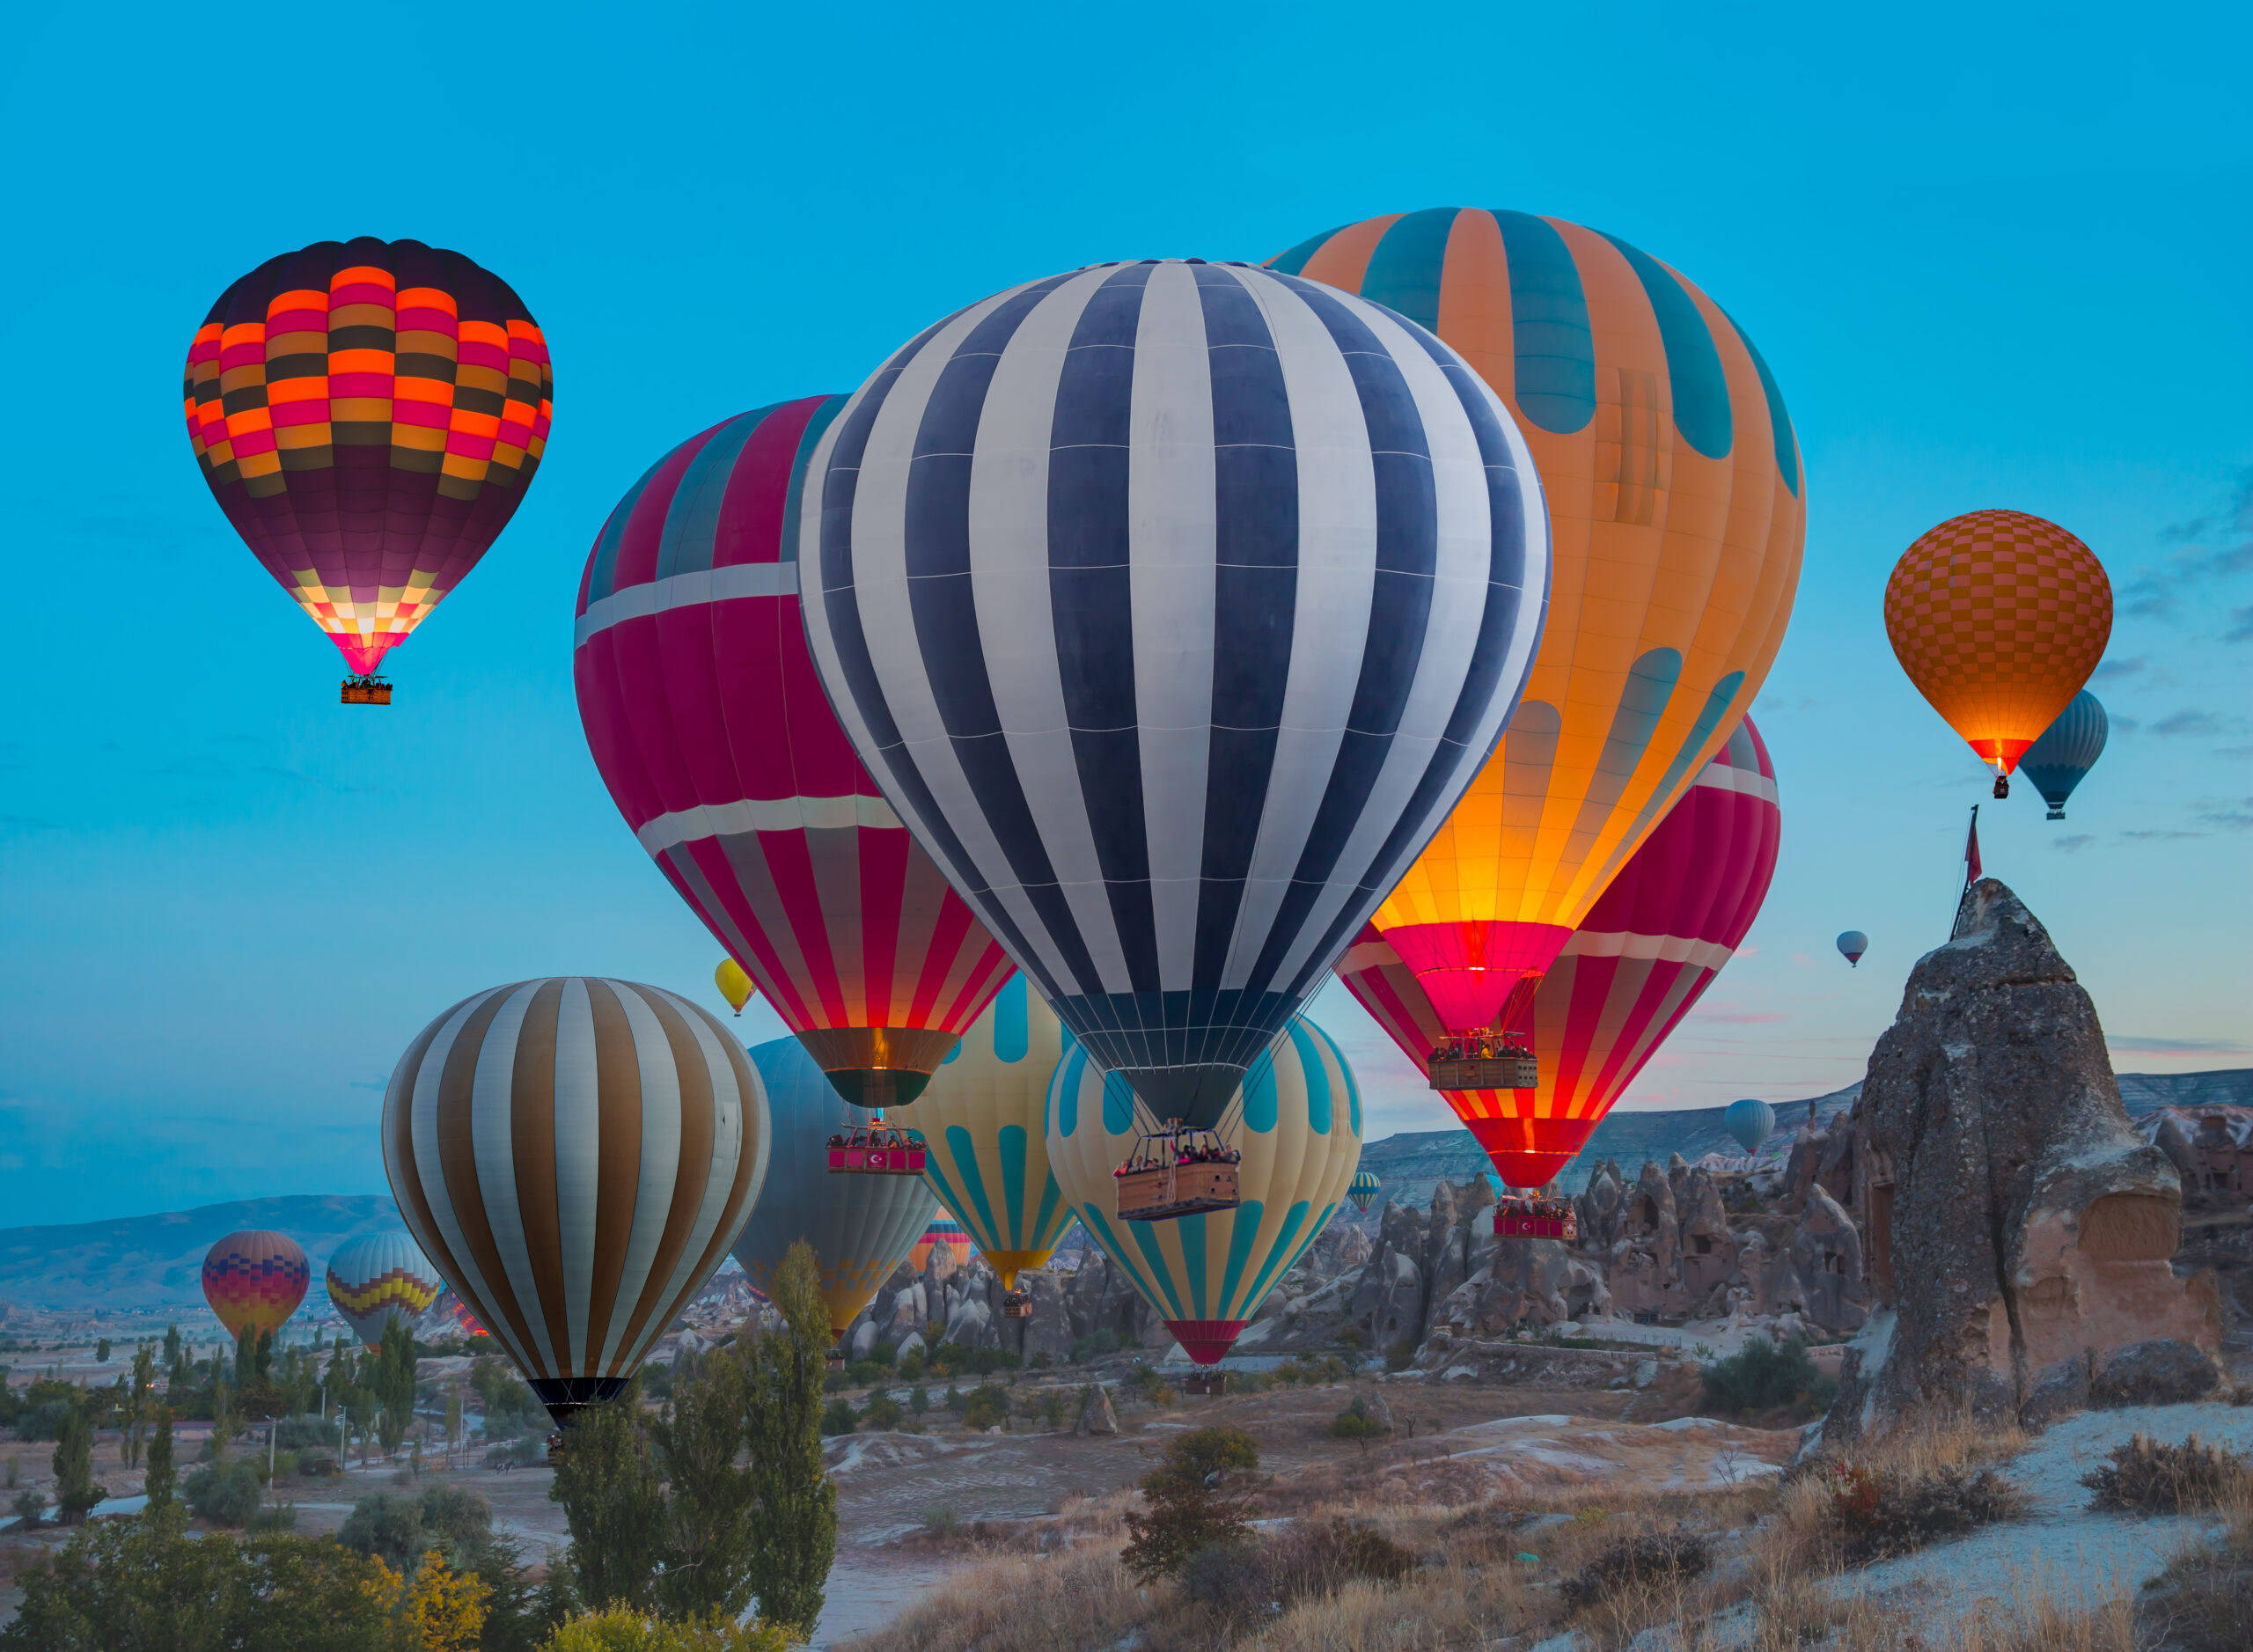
881	1410
919	1399
1876	1514
1401	1354
838	1417
1354	1338
2146	1478
622	1630
1763	1375
942	1523
224	1494
911	1365
1356	1422
275	1517
1242	1581
1655	1558
986	1406
1194	1500
1093	1347
316	1464
43	1421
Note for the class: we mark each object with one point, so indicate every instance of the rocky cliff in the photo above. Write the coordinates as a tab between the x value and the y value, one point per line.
2023	1231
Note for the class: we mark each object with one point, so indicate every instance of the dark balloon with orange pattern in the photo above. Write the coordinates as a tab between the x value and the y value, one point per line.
368	414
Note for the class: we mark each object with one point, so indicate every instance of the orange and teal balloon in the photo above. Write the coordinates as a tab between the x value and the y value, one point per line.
1297	1119
255	1278
1676	504
368	414
1998	618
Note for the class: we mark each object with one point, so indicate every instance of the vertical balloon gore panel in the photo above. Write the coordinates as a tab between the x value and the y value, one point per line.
1099	683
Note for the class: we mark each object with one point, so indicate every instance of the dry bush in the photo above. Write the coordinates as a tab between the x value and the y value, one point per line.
1436	1610
2204	1601
2145	1477
1080	1599
1878	1513
1651	1560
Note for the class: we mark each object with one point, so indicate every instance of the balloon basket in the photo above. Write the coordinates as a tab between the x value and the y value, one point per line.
1475	1062
2002	787
1516	1218
1178	1172
365	691
1017	1304
2055	814
877	1150
1213	1382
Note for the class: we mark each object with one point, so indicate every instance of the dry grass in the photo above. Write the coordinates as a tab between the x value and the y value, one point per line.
1009	1604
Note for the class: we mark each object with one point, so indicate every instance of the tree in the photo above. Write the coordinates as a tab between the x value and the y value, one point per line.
453	1417
144	1388
1194	1500
101	1351
392	1381
445	1608
794	1516
614	1503
161	1479
75	1491
621	1631
708	1534
246	1356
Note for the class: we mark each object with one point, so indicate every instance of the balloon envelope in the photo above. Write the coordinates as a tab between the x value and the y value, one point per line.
1643	956
1675	500
703	714
861	1227
2068	750
1750	1122
1363	1189
573	1155
981	1116
1999	617
1205	1275
1173	605
379	1277
733	985
1852	944
942	1233
368	414
255	1278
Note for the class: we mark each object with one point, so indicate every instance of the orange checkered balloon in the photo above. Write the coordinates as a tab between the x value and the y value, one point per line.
1998	618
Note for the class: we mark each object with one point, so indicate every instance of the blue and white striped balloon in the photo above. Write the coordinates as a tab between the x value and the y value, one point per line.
1173	605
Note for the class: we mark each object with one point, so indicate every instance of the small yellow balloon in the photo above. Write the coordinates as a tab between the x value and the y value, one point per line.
733	985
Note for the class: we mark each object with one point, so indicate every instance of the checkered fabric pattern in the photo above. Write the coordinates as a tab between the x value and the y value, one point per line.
255	1278
368	414
1998	618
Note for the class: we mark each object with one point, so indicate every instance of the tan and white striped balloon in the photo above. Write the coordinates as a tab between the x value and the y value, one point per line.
575	1155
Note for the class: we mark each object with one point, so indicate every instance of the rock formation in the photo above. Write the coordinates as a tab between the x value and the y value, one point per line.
2022	1232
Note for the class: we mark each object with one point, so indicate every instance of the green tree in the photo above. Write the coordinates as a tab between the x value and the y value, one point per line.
622	1631
392	1382
794	1518
246	1356
75	1491
144	1388
161	1479
707	1509
1195	1499
222	1413
101	1352
614	1504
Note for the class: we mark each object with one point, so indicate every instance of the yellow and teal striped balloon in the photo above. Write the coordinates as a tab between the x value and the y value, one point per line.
981	1116
1296	1118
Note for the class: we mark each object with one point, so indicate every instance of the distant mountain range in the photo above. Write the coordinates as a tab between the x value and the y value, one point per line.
157	1261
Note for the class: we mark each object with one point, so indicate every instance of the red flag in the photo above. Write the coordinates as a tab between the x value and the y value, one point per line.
1972	868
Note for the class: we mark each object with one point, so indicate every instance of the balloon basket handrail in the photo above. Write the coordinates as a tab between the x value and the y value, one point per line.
876	1149
1016	1304
1479	1060
1522	1218
368	689
1178	1171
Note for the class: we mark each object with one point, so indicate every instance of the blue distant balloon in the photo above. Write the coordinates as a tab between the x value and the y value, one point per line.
2068	750
1751	1122
1852	945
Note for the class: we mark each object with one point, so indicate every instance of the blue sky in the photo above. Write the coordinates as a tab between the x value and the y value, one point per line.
1995	256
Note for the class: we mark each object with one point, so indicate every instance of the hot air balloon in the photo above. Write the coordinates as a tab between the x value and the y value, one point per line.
733	985
1363	1189
1750	1122
942	1233
255	1278
1999	617
1205	1275
712	733
1641	959
449	1317
1852	945
1173	605
1675	499
368	414
2068	750
861	1227
380	1277
573	1155
988	1160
